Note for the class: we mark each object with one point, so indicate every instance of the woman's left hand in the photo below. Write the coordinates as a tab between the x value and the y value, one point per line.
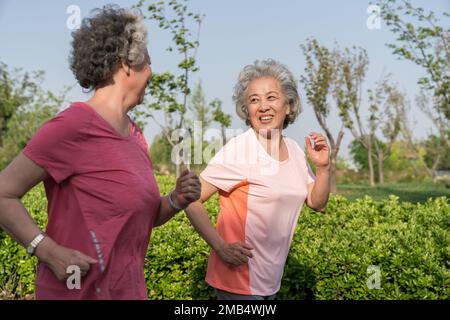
187	190
320	153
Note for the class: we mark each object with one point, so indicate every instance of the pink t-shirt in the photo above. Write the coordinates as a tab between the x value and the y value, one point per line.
260	201
102	200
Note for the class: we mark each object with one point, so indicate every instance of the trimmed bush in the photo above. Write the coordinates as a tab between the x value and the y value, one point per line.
17	268
332	256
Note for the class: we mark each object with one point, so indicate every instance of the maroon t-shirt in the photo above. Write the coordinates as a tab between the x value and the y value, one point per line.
102	201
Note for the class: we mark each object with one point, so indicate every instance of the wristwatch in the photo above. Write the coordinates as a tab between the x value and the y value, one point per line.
34	243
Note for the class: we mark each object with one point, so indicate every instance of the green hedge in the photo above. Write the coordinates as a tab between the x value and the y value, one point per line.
329	257
17	269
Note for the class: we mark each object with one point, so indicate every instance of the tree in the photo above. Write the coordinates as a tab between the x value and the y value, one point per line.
423	41
433	156
386	108
359	155
223	119
352	67
15	90
401	164
198	120
436	157
169	92
24	107
423	101
318	80
199	108
203	115
160	153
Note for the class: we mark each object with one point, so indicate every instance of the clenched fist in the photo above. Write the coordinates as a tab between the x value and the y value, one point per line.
187	190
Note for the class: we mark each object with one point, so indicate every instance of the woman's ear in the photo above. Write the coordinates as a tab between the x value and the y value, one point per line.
288	109
125	68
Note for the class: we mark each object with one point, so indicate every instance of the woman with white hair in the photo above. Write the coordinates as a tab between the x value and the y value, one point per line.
263	179
103	200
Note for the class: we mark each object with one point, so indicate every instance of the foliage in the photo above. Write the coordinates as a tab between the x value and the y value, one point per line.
172	93
359	155
329	257
422	39
342	163
24	107
223	119
198	121
331	253
17	269
169	92
434	148
402	164
351	71
387	107
407	192
319	81
199	107
160	153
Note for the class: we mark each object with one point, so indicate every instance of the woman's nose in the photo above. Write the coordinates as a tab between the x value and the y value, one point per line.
264	106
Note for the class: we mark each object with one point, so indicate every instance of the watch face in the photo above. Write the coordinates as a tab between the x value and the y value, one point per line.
30	250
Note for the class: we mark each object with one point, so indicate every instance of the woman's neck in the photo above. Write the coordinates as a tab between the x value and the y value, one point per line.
111	99
110	103
273	143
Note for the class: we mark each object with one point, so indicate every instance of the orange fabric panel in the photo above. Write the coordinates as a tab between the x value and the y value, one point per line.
231	227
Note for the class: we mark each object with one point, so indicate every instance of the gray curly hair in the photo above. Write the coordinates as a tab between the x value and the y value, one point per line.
110	36
267	68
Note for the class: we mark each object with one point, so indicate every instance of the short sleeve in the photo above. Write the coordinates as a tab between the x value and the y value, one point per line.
56	145
140	136
226	170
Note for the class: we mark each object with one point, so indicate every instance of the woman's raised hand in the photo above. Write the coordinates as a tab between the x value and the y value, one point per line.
187	190
320	153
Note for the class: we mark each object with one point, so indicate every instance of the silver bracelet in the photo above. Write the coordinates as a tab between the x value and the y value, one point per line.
172	203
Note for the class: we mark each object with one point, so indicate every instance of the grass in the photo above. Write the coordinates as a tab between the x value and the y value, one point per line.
411	192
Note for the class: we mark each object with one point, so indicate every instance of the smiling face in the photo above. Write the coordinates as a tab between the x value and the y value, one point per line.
267	105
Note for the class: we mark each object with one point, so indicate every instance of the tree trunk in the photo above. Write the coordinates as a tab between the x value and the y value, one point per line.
380	158
224	136
370	162
333	188
433	168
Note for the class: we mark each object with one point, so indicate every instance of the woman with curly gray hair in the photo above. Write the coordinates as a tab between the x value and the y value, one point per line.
103	199
263	179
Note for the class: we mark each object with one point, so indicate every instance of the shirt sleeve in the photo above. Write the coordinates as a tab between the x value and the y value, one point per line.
140	135
226	170
56	145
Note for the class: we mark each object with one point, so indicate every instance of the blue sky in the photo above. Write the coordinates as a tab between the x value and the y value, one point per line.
234	33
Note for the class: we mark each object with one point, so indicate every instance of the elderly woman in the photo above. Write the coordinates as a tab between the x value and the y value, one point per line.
103	200
263	179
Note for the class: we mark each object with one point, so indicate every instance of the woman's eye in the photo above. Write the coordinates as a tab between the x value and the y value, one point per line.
253	100
272	97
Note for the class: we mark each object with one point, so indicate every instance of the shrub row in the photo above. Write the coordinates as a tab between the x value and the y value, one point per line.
334	255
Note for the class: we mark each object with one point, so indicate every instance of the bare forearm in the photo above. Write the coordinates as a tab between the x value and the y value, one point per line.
187	189
166	212
16	221
199	218
321	189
